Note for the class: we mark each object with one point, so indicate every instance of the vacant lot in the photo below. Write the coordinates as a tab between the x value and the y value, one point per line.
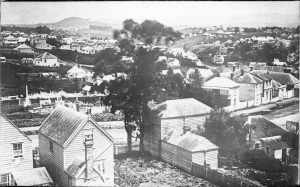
138	171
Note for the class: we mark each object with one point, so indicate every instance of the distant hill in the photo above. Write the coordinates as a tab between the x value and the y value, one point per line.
73	23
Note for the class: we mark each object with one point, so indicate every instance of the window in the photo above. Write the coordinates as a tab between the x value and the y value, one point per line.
88	134
4	180
51	146
101	166
17	149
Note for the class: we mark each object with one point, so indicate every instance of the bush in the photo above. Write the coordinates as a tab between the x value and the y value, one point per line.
257	159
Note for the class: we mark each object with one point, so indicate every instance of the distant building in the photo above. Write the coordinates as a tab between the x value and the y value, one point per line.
47	60
76	72
24	49
88	50
76	150
40	43
275	147
267	93
278	63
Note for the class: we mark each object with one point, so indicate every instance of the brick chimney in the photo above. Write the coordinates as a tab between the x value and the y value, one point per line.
88	143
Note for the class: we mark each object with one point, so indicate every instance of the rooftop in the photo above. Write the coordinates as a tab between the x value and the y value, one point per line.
193	143
275	142
220	82
181	107
247	78
32	177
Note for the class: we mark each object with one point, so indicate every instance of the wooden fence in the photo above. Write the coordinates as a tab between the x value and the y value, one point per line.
220	178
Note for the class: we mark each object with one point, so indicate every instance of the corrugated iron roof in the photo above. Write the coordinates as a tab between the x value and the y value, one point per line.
193	143
182	107
32	177
275	142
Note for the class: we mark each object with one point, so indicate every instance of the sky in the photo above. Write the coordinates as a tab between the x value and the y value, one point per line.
170	13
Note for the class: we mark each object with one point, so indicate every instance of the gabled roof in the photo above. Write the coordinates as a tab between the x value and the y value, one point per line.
274	68
76	69
262	127
275	142
87	48
220	82
46	55
181	108
63	122
32	177
247	78
4	118
284	78
193	143
23	46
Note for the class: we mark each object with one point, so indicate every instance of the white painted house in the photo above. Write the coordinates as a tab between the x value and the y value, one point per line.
16	158
47	60
76	150
88	50
226	88
76	72
24	49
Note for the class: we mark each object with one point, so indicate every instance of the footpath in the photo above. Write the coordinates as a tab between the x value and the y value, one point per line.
267	107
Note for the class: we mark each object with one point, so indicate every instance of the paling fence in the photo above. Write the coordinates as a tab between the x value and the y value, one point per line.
220	178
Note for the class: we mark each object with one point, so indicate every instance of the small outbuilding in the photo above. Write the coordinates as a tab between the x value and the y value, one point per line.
32	177
189	148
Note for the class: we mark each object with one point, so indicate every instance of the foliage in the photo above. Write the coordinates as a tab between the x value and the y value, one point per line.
53	41
227	132
43	30
258	159
27	30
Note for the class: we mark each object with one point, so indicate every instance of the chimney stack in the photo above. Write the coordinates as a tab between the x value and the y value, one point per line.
231	76
242	72
186	129
251	68
88	143
233	68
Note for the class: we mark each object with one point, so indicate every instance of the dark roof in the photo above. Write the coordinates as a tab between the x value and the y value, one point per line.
262	127
274	68
261	74
276	85
275	142
62	122
284	78
247	78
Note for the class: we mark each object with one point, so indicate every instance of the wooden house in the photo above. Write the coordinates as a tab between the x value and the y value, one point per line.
189	148
15	151
172	116
75	149
16	161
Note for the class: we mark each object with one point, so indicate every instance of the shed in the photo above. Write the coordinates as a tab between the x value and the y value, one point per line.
189	148
32	177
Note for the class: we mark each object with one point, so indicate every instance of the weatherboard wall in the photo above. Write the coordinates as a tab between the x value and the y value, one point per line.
10	134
